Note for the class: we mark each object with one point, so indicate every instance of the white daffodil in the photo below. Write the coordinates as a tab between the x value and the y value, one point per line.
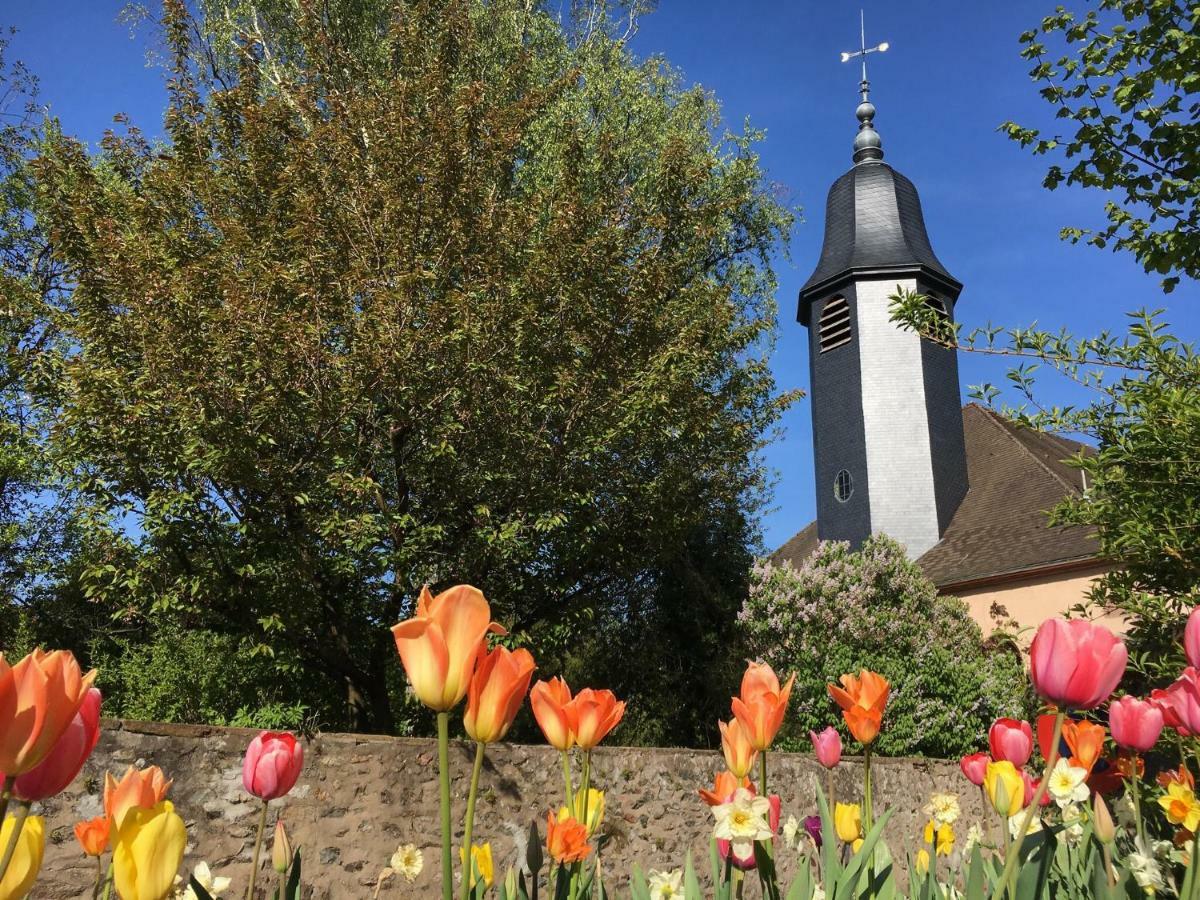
1126	814
791	828
408	861
1014	824
666	885
1146	871
1068	783
1073	817
214	885
818	893
943	809
974	836
742	821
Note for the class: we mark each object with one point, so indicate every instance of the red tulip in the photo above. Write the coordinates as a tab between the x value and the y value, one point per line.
68	755
1180	703
1076	663
93	835
828	746
1012	740
974	767
272	765
1191	637
1031	786
1135	724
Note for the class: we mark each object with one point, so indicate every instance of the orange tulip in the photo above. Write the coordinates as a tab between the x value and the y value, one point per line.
566	839
550	701
593	714
39	698
761	705
723	787
1085	741
739	753
862	700
440	645
143	788
93	835
497	690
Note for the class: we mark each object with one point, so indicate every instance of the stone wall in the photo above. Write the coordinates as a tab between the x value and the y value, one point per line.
360	797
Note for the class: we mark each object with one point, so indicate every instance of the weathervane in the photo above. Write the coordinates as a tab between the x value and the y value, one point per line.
862	52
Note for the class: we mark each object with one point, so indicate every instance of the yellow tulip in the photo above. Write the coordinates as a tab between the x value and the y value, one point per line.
481	863
595	810
1005	787
847	822
23	868
147	852
922	861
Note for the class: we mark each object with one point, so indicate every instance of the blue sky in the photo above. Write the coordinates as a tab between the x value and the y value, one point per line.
952	74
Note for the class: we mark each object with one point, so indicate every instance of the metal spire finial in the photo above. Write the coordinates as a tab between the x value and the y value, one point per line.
867	143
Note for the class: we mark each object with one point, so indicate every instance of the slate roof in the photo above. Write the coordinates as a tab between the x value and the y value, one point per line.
873	224
1016	475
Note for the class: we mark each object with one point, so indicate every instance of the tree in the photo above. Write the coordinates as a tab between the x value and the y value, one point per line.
1127	82
846	610
443	293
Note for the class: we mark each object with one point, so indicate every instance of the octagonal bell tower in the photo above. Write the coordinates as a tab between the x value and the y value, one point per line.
887	416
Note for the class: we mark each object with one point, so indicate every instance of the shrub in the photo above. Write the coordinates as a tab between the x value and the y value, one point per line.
875	609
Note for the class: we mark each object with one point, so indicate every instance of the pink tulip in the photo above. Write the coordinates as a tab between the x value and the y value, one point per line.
1135	724
974	767
1031	786
272	765
746	863
1191	638
1012	740
828	746
1076	663
70	752
1180	703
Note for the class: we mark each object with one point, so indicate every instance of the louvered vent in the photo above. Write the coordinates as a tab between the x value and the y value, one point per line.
834	328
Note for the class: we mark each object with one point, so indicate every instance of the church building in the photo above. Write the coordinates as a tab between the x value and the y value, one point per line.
895	451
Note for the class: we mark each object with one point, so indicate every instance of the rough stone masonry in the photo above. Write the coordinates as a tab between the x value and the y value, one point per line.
360	797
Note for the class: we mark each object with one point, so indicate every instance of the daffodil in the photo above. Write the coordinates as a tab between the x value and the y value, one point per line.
1068	784
791	828
214	885
742	821
1179	803
666	885
943	809
408	861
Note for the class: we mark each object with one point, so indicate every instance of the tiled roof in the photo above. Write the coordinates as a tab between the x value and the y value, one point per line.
1016	476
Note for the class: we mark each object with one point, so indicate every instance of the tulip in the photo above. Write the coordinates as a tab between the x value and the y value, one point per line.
66	757
735	745
137	788
812	825
1076	663
828	746
1085	740
1045	734
723	787
93	835
922	861
1012	740
566	840
847	822
1031	788
761	705
1191	638
862	700
281	849
272	764
1180	703
594	806
1005	788
974	767
1135	724
39	698
440	644
593	714
496	692
482	867
27	856
147	852
1102	821
549	700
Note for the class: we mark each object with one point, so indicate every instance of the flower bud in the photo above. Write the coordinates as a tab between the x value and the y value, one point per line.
281	850
1103	827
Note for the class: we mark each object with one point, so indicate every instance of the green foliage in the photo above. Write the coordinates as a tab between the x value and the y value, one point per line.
844	611
1126	81
416	291
1143	477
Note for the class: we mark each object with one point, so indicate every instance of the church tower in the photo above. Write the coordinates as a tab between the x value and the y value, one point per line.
887	417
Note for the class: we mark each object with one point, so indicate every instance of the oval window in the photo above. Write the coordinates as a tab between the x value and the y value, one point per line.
843	486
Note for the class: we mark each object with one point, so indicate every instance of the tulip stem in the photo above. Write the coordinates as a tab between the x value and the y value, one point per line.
868	811
18	826
829	777
469	822
587	783
566	767
258	840
107	882
1007	882
762	774
443	723
1135	792
100	878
